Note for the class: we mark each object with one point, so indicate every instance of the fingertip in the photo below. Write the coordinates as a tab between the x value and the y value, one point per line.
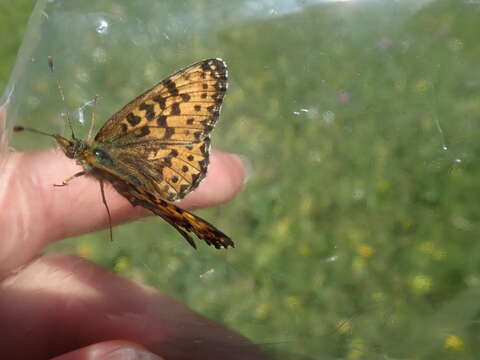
110	350
247	166
233	168
225	178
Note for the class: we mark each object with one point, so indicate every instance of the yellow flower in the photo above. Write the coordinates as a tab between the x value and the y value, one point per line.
344	326
293	302
282	226
365	251
304	250
421	86
262	311
356	349
421	284
121	264
454	343
427	247
85	251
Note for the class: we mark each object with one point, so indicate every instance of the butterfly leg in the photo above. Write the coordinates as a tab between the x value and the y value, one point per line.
104	200
66	181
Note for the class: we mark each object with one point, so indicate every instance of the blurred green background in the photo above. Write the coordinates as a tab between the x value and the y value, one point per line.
358	233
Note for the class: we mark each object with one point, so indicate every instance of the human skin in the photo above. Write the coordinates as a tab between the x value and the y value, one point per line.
64	307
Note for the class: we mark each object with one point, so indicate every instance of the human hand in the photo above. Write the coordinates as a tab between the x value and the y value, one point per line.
64	307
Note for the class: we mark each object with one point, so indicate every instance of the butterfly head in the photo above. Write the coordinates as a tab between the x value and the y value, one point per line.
73	148
88	155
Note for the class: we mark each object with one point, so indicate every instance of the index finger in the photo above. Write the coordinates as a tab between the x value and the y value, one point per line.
36	213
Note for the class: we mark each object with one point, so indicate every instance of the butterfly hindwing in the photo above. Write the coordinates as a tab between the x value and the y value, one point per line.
183	221
168	172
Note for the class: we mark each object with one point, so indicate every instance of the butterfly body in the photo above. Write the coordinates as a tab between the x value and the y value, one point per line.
155	150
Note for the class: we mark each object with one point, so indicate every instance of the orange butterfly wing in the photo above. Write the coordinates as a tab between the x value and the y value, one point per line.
183	221
160	145
163	135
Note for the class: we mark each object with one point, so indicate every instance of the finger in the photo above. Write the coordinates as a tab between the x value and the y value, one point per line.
60	303
225	178
110	350
39	213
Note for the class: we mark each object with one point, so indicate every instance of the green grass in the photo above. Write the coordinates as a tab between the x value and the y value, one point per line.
358	231
14	18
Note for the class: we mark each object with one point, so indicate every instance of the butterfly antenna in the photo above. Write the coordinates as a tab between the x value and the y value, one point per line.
62	95
19	128
92	122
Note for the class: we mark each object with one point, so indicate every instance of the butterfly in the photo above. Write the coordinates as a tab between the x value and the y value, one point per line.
155	150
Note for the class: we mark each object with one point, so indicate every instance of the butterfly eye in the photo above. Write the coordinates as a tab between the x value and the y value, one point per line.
101	155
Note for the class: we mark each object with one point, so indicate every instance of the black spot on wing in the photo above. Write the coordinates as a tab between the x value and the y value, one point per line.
206	66
149	110
133	119
175	109
167	162
162	121
160	101
143	131
184	188
195	180
171	87
169	131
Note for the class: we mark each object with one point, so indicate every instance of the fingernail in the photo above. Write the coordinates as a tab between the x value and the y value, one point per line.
247	166
129	353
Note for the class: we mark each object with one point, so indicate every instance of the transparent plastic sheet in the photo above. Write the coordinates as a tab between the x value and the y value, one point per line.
357	234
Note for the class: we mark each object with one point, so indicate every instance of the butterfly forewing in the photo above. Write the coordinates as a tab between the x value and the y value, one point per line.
179	110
